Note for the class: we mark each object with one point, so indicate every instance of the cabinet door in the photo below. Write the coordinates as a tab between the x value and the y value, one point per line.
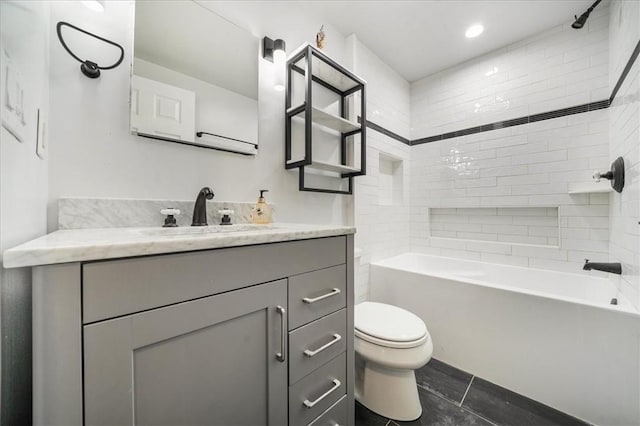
162	110
210	361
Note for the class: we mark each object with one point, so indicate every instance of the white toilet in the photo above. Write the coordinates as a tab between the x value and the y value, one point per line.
390	343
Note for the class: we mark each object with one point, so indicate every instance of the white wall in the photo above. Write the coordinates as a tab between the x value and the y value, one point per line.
24	183
23	197
624	140
383	229
531	166
558	68
93	154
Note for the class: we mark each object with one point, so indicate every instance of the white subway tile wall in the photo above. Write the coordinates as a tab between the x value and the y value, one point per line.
382	196
624	211
556	69
508	190
388	94
524	225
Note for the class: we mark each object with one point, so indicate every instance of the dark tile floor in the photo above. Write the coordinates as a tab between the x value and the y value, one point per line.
453	397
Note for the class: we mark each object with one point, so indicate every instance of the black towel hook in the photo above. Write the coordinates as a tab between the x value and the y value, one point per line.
88	68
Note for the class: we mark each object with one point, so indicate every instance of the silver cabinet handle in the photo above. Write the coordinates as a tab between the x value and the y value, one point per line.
280	356
336	385
336	339
333	292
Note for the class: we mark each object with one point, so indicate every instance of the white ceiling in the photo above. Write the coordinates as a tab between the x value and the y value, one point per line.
419	38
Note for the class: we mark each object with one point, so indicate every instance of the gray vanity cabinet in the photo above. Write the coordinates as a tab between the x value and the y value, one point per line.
208	361
251	335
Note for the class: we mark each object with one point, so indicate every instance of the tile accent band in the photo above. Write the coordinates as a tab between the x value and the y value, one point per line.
626	70
591	106
373	126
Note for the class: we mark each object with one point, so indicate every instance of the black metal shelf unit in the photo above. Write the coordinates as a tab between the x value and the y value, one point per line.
331	75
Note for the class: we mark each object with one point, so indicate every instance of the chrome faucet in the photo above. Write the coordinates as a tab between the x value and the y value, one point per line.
200	208
614	268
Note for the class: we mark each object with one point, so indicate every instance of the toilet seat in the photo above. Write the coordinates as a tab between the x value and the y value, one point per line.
389	326
391	343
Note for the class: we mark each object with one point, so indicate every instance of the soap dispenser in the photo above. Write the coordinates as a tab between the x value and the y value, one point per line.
261	213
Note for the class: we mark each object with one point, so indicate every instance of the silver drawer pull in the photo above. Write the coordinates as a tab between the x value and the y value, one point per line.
336	339
333	292
280	356
336	385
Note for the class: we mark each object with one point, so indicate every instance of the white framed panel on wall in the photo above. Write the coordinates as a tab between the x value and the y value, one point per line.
162	110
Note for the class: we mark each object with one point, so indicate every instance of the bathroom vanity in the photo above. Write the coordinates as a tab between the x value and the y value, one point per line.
252	327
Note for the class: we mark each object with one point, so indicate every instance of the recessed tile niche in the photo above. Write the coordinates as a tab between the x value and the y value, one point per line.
528	225
390	189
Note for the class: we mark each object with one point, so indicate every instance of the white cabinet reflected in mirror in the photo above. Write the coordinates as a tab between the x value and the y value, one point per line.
195	77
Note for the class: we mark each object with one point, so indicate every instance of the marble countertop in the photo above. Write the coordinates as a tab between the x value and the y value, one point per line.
75	245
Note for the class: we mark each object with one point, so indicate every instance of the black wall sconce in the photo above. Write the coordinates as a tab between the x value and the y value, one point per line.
88	68
275	51
269	48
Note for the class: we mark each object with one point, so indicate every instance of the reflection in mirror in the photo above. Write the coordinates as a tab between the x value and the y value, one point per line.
195	77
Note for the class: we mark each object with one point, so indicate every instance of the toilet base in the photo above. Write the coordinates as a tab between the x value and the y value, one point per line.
389	392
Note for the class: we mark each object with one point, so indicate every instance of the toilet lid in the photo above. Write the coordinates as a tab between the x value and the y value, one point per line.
388	322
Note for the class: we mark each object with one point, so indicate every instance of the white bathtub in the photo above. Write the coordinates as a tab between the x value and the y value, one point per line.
551	336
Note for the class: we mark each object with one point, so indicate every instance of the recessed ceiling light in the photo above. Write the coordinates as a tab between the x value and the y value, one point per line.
474	31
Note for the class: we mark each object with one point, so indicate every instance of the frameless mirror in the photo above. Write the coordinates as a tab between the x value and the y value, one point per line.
195	77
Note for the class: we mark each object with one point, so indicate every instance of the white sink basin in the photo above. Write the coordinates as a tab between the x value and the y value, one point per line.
202	230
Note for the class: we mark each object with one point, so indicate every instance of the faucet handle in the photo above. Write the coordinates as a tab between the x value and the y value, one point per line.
226	216
170	211
586	261
598	176
170	220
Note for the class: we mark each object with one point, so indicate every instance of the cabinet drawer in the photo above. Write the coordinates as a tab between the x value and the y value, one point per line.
314	344
318	391
336	415
316	294
120	287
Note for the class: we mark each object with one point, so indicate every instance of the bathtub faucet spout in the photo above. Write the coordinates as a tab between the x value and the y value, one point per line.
614	268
